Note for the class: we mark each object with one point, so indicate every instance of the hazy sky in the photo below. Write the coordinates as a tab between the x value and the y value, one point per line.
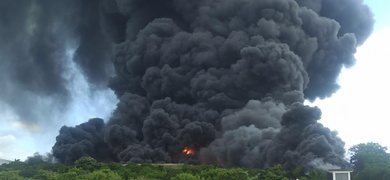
357	111
18	140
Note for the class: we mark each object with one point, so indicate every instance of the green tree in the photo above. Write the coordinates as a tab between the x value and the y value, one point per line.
124	171
222	174
238	173
101	174
17	164
366	153
276	172
46	175
185	176
57	167
376	172
28	171
10	175
315	174
370	161
173	171
73	173
296	172
86	163
152	172
214	174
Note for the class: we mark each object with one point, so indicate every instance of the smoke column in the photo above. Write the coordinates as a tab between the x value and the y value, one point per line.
225	78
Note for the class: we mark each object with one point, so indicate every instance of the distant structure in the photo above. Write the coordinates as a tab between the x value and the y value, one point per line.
341	174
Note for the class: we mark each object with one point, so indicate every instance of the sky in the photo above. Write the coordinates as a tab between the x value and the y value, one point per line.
357	111
18	140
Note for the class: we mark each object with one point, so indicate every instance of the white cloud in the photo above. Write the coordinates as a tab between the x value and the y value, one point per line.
8	145
7	140
359	110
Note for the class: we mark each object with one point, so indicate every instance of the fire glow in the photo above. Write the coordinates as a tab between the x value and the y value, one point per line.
188	151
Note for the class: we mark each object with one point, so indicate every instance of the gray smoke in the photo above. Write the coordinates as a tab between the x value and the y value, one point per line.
46	46
226	78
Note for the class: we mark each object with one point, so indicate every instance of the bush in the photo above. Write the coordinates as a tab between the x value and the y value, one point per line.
102	174
274	173
10	175
185	176
45	175
222	174
152	173
73	173
28	172
86	163
124	171
172	172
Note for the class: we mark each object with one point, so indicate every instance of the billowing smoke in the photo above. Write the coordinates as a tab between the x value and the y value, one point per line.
225	78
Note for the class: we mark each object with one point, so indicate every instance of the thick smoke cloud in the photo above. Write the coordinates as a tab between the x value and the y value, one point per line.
225	78
83	140
43	43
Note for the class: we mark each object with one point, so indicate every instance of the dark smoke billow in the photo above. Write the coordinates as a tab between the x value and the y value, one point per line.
227	78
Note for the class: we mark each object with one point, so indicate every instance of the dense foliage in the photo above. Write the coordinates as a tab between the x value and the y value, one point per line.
87	168
370	161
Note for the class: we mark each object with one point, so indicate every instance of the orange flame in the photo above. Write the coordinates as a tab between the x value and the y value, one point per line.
188	151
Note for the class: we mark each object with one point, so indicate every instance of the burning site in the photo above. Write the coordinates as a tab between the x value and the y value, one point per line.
202	82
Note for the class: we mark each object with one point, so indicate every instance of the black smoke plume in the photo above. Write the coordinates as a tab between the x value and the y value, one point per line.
225	78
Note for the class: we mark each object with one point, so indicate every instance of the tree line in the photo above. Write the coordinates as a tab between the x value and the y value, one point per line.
369	161
87	168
